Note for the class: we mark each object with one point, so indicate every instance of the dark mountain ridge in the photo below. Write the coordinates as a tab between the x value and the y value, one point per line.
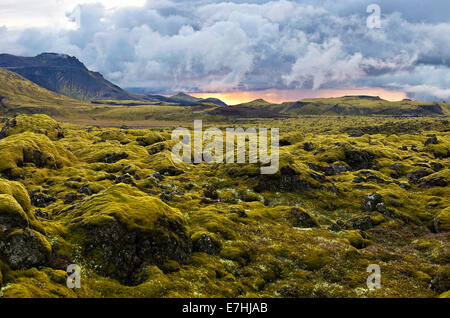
65	75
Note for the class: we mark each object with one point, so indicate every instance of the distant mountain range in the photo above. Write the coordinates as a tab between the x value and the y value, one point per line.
66	75
59	84
184	100
347	105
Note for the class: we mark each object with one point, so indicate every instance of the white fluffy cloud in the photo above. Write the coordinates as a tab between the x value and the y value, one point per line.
169	45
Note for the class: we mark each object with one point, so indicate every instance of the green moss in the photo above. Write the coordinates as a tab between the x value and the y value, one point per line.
170	266
150	139
29	148
130	206
440	150
315	258
91	153
108	226
12	214
163	163
236	251
442	220
37	238
332	154
212	221
39	124
445	294
115	135
18	191
356	240
33	283
265	251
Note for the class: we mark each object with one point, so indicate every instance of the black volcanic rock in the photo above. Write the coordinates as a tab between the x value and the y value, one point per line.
65	75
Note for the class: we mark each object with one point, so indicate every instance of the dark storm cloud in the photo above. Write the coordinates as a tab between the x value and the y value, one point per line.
217	45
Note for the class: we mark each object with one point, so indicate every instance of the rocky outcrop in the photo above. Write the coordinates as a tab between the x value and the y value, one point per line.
125	228
21	244
287	180
115	157
26	248
206	243
300	218
371	202
358	160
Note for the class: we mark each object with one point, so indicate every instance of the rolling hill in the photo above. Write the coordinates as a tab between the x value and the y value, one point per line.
184	99
354	106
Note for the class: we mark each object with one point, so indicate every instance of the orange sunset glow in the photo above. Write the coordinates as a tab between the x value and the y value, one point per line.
279	96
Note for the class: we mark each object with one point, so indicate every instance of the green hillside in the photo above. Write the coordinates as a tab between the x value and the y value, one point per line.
19	95
361	105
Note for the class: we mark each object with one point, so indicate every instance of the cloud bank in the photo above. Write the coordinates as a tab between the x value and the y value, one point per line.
168	45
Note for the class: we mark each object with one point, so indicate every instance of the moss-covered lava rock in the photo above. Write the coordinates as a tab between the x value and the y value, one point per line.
122	228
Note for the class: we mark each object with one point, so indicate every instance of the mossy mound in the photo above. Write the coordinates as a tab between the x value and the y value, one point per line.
13	216
116	135
122	228
150	139
441	281
162	162
21	246
108	152
441	222
445	295
438	179
19	150
39	124
18	191
356	240
34	283
291	177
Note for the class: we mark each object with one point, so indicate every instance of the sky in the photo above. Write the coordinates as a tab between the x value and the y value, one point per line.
240	49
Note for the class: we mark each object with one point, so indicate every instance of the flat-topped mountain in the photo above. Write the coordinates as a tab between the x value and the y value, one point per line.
65	75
